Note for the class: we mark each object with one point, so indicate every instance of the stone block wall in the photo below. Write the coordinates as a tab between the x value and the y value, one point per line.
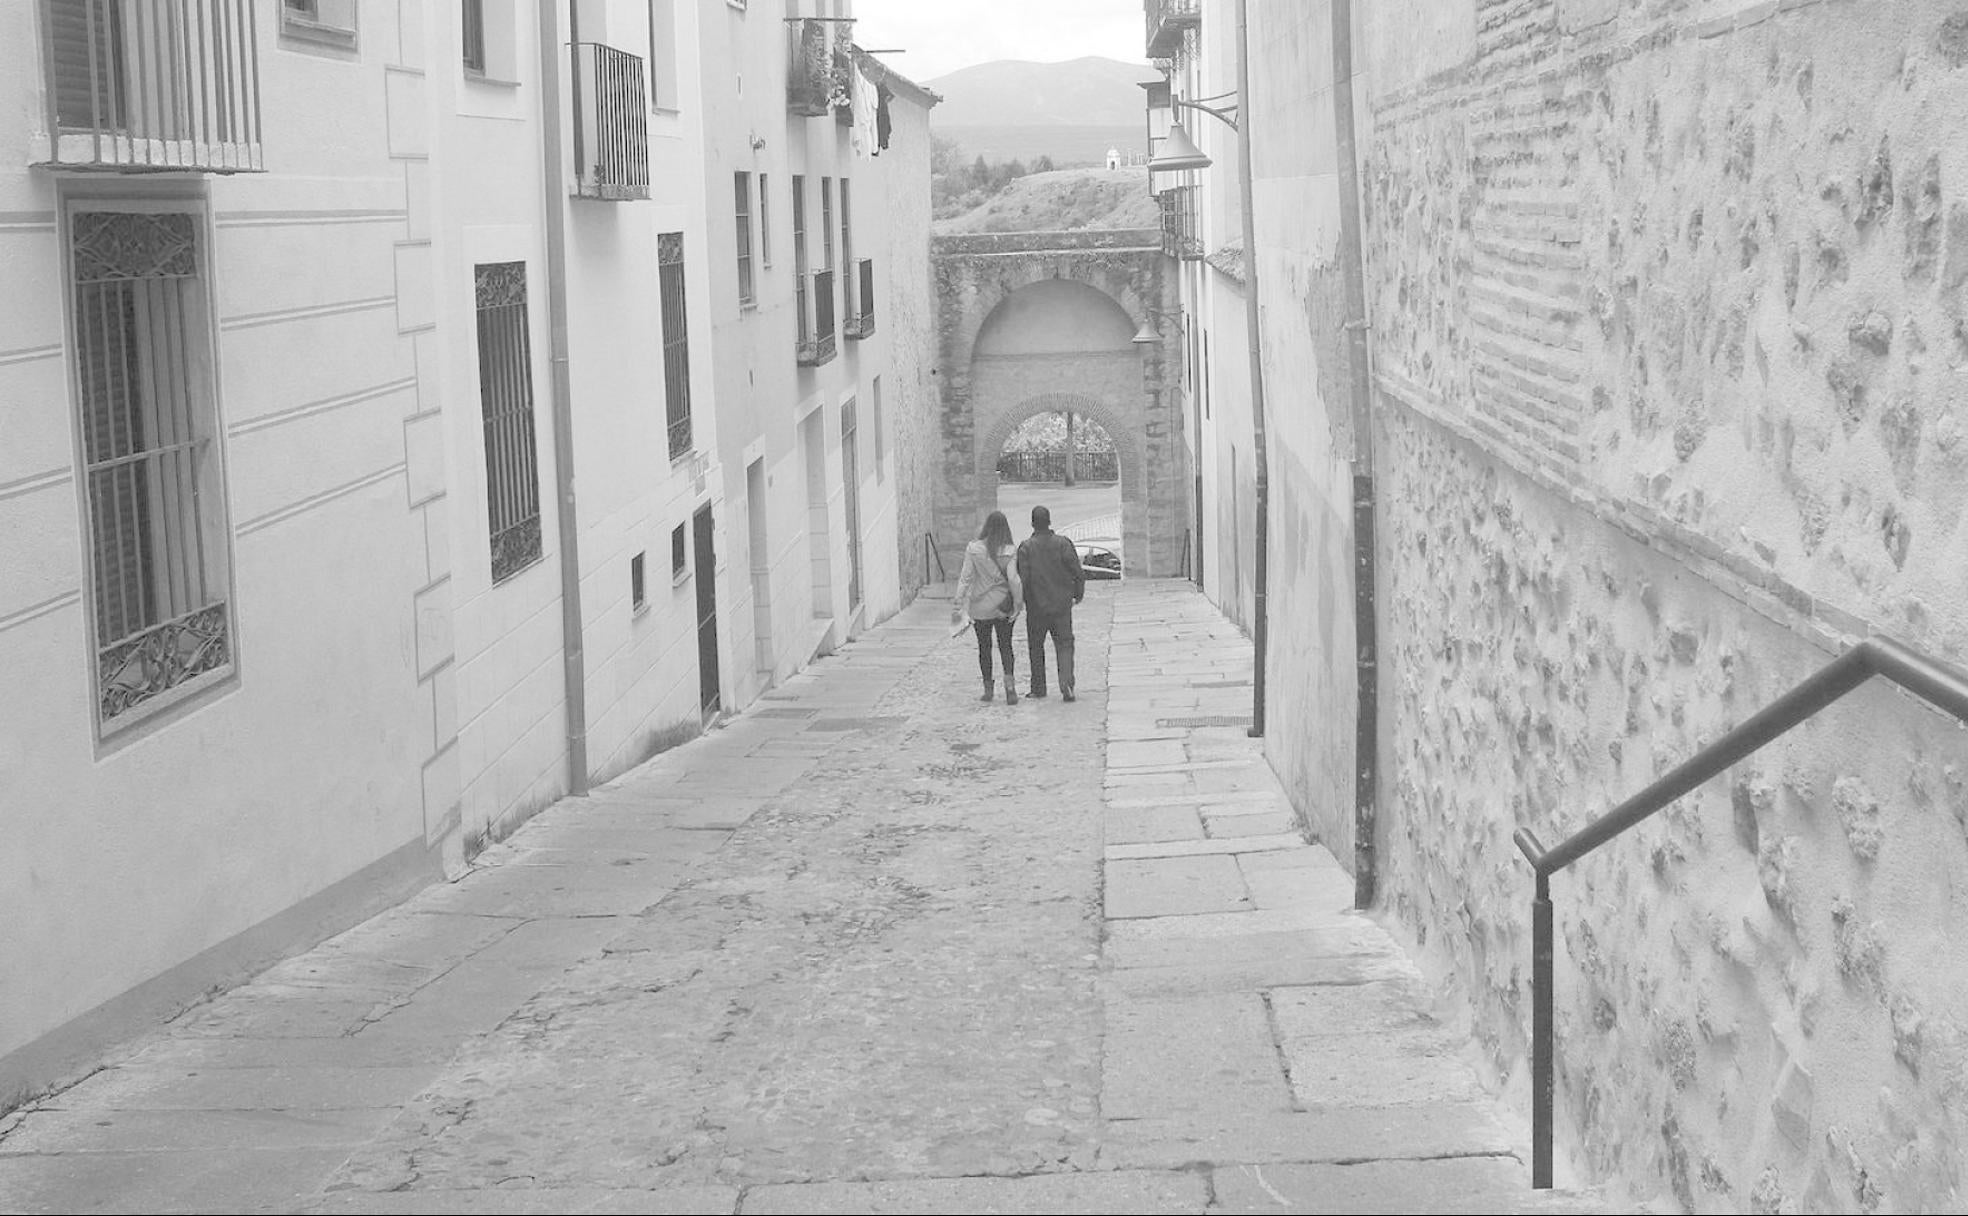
983	397
1671	353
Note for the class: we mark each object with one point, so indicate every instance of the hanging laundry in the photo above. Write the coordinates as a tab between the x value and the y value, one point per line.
884	122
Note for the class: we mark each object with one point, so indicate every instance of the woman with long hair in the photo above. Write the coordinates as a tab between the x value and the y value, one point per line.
988	595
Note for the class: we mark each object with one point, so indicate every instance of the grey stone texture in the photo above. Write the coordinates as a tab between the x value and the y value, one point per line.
877	978
1667	339
1136	393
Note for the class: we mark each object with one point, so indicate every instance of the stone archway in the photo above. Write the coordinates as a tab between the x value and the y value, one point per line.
1034	321
1127	449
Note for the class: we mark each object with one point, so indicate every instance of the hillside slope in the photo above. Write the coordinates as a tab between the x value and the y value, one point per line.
1065	201
1013	92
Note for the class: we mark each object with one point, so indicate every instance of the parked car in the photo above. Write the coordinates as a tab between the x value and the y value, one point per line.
1099	563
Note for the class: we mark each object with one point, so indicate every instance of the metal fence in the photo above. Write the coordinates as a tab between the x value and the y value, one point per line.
611	123
154	84
1051	466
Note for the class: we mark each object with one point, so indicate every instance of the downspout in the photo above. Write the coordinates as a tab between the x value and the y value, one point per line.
1261	565
1366	744
574	658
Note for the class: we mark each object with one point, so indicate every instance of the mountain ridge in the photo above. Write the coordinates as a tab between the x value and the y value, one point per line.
1091	90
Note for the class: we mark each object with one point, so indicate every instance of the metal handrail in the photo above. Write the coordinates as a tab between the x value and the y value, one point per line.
1940	683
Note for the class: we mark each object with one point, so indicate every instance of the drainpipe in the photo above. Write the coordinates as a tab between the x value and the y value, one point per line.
1366	743
1261	567
574	658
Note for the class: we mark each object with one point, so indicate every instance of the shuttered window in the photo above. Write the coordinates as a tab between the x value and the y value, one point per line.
505	395
676	342
148	422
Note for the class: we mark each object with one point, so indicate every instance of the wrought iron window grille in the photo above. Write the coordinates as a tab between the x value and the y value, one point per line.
505	388
676	343
158	554
153	85
611	124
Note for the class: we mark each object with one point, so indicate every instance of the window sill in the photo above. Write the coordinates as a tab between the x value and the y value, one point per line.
492	82
638	611
316	34
679	577
159	712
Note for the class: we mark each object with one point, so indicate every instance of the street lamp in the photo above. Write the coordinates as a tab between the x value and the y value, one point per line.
1179	153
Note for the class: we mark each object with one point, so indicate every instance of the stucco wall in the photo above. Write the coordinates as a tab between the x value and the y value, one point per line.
1666	302
908	314
136	854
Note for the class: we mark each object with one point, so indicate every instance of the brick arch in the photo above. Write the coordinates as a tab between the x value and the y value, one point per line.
1133	391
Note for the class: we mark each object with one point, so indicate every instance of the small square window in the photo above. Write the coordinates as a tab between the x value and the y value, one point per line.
679	554
327	21
638	598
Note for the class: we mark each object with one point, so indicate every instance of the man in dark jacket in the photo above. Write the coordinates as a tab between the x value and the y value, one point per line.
1050	567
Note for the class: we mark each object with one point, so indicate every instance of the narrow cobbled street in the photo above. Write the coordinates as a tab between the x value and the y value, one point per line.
871	946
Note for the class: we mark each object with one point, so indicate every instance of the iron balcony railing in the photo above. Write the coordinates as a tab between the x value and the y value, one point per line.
1180	229
1929	678
819	65
823	343
1166	21
611	124
150	85
860	322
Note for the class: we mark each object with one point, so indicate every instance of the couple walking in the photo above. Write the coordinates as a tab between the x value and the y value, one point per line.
1044	580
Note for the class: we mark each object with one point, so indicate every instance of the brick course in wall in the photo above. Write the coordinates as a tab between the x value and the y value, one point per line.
1671	360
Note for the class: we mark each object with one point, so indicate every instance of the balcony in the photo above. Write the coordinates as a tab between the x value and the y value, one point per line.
1180	237
153	85
821	345
860	321
611	124
819	66
1167	19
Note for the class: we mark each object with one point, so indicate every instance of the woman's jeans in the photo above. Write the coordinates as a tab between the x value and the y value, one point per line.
984	630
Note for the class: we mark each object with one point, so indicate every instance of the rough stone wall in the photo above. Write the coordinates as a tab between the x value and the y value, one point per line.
1669	340
983	397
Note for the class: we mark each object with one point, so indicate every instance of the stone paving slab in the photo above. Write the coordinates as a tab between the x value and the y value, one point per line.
1231	1070
1183	1140
1125	1191
1174	886
222	1180
1190	848
1462	1184
855	968
530	1201
1143	825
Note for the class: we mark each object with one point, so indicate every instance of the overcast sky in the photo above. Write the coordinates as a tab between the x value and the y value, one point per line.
944	35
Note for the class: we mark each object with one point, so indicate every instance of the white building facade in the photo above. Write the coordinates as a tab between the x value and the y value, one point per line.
373	475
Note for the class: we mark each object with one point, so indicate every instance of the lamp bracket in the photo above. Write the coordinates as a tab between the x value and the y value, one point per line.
1224	114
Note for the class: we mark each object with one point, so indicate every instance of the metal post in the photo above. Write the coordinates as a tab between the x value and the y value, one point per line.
572	625
1253	318
1543	1080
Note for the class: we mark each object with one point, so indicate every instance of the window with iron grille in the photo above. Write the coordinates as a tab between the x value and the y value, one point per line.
881	447
679	553
765	220
159	559
799	257
826	223
676	342
847	251
474	31
638	593
742	189
505	394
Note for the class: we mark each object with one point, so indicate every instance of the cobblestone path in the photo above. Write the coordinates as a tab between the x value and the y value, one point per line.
872	946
